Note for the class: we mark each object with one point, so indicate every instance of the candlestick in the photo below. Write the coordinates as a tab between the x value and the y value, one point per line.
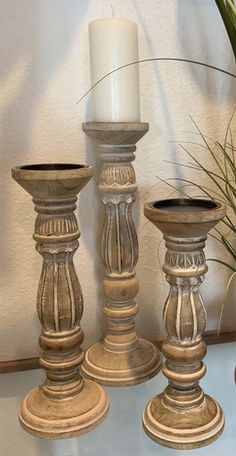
122	358
183	416
65	405
114	42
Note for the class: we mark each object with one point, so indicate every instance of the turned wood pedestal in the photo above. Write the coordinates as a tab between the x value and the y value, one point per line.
122	358
65	405
183	416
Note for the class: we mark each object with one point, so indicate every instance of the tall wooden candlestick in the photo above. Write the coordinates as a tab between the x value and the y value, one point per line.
183	416
122	358
65	405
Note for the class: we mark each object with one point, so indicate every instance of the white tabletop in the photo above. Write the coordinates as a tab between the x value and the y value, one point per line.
121	433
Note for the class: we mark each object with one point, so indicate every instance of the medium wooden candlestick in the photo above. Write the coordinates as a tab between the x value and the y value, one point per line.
122	358
65	405
183	416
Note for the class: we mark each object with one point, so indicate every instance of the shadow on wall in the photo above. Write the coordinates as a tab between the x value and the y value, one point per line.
91	221
149	263
161	87
35	39
198	22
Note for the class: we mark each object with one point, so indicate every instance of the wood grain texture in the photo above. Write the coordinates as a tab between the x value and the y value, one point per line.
65	405
183	416
122	358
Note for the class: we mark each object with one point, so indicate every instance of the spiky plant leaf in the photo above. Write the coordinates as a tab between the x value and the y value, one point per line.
228	13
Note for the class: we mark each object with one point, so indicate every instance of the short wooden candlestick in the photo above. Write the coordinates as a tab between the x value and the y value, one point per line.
65	405
122	358
183	416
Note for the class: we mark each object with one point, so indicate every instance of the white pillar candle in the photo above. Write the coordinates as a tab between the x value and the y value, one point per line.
114	42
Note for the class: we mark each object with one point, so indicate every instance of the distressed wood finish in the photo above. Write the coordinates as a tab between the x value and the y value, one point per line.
183	416
65	405
122	358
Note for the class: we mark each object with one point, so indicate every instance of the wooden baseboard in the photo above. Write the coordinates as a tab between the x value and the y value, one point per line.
18	365
211	337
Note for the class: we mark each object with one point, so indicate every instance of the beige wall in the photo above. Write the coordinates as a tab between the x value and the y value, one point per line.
45	69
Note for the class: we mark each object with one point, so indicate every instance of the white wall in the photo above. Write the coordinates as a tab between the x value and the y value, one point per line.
45	69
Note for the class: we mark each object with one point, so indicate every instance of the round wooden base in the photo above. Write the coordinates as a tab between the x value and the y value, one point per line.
124	368
61	418
183	429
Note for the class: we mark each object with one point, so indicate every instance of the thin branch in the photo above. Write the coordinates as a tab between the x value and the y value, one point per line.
167	59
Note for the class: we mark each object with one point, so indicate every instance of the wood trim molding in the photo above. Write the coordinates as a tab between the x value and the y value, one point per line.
18	365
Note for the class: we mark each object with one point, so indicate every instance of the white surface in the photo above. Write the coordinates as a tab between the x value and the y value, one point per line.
121	433
44	58
113	43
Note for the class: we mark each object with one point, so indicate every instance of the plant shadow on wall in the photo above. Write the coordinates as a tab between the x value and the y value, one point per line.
93	217
203	18
95	331
164	107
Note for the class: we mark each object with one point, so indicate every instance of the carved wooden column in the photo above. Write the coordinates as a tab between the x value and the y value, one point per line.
65	405
122	358
183	416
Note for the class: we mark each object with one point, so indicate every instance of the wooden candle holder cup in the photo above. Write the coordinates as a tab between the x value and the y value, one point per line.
183	416
65	405
122	358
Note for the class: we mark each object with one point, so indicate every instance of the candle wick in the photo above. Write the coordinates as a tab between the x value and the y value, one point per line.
113	11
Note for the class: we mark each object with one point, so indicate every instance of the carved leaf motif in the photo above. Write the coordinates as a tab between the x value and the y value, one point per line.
57	226
117	175
184	260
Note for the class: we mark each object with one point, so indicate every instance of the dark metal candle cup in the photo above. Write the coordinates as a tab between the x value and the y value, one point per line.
185	205
52	167
184	216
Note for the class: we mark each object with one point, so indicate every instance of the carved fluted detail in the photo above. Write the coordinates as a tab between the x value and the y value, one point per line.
184	312
184	316
183	416
119	243
59	297
65	405
122	358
